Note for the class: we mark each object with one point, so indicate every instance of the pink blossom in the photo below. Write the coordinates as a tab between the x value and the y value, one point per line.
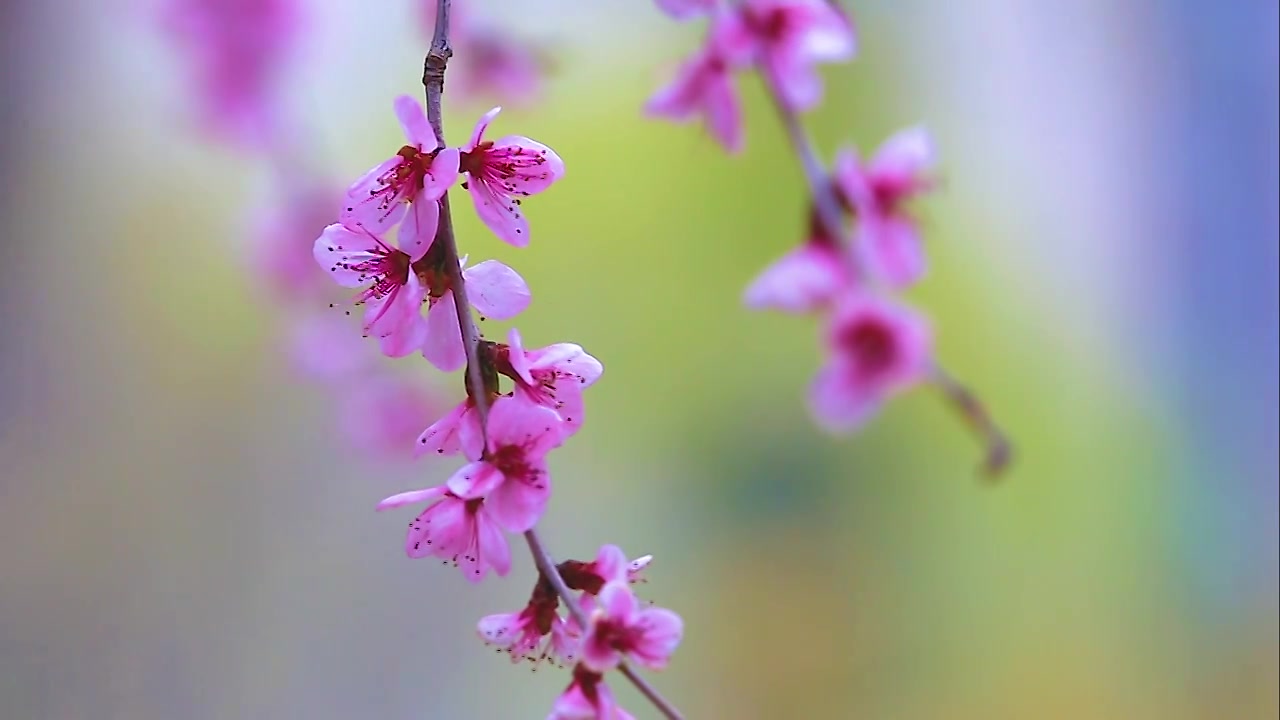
283	235
495	290
808	278
393	294
381	413
788	38
588	697
512	476
236	50
536	633
620	630
610	565
553	376
444	436
500	172
887	239
875	350
417	175
686	9
456	529
703	87
493	64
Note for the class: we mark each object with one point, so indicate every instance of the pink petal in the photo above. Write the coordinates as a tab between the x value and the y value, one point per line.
449	434
418	230
517	506
565	401
724	114
443	345
686	9
907	154
340	248
397	318
412	497
891	248
659	631
796	81
611	564
534	165
499	212
803	280
474	480
482	125
596	655
569	358
414	122
838	402
829	36
496	290
442	174
513	421
441	529
363	206
406	339
517	356
617	601
501	629
490	550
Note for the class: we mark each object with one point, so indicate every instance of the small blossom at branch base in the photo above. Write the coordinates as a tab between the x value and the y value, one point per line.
553	377
808	278
494	289
418	174
236	52
620	630
444	436
459	530
500	172
788	38
536	633
588	697
703	88
887	240
512	476
610	565
875	349
393	294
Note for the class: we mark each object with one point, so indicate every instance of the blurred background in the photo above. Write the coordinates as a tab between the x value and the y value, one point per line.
187	529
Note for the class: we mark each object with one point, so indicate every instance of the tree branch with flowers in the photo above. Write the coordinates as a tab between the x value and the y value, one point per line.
416	294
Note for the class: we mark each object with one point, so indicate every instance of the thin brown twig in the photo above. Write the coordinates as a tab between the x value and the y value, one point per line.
998	449
433	71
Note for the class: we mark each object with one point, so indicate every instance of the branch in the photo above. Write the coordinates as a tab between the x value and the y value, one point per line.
971	409
433	69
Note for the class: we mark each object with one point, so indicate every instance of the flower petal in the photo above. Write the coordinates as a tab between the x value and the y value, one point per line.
418	230
368	202
518	357
414	122
803	280
617	601
442	174
838	402
514	421
659	633
492	544
442	436
477	135
443	345
518	505
474	480
567	358
496	290
499	211
891	248
341	250
529	167
906	155
611	564
412	497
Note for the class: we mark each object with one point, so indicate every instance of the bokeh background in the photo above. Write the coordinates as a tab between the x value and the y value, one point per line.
186	532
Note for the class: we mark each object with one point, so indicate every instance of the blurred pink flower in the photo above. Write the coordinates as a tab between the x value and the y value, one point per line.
417	176
621	630
788	38
588	697
381	413
875	349
393	294
236	50
686	9
512	476
808	278
500	172
282	238
703	87
494	289
456	529
327	347
492	64
610	565
553	377
888	241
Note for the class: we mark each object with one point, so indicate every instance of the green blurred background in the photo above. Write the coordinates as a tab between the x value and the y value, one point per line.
184	534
